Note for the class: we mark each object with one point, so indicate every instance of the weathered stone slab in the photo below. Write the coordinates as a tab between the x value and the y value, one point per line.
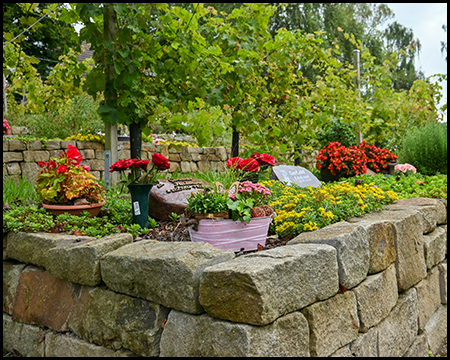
376	296
410	260
333	323
103	317
79	262
436	329
43	300
381	237
22	337
32	248
162	272
397	332
258	288
35	156
16	145
11	274
351	243
443	282
298	175
434	246
433	212
428	295
419	347
188	335
170	196
365	344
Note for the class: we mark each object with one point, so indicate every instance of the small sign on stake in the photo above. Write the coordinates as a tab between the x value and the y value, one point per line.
294	174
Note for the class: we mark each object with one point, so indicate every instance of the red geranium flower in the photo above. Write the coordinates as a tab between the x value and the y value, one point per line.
248	164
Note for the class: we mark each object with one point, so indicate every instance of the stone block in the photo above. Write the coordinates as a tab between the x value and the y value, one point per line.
397	332
35	156
434	246
149	147
53	145
203	166
205	336
65	144
173	166
333	323
98	165
365	344
16	145
34	145
92	145
100	154
13	168
419	347
376	296
11	274
351	244
428	295
443	282
70	345
12	156
185	154
30	170
5	145
410	260
123	154
193	166
88	153
432	211
79	262
175	157
381	238
221	153
24	338
43	300
260	287
163	272
185	167
32	248
105	318
436	329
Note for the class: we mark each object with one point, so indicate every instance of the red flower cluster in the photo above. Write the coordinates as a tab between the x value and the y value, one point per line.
239	163
71	158
353	160
377	158
263	159
159	161
341	160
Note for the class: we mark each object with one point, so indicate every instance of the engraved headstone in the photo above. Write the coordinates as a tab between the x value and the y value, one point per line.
294	174
170	196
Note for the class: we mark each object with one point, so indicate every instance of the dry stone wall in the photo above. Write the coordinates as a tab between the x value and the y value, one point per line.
20	158
375	285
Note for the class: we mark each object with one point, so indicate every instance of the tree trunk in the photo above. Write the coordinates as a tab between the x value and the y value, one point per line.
235	143
135	141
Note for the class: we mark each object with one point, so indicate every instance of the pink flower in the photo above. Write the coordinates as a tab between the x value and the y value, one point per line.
86	167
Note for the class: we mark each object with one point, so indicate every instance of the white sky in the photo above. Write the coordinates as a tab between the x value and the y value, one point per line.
426	21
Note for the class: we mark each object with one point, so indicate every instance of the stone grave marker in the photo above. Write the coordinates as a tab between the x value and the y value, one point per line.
294	174
171	195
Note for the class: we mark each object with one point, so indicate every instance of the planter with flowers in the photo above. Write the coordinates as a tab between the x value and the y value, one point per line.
6	127
64	186
140	181
253	168
236	219
336	161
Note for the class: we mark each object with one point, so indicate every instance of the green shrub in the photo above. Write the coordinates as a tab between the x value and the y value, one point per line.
80	117
337	131
21	192
426	149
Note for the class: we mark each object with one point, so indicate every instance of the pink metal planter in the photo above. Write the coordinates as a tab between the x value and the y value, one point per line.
232	235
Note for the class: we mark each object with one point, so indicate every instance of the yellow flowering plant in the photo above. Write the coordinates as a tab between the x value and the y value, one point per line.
307	209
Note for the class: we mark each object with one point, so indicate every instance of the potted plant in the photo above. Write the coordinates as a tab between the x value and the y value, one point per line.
248	222
140	180
335	161
63	185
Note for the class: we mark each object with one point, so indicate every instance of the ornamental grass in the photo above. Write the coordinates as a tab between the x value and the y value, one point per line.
308	209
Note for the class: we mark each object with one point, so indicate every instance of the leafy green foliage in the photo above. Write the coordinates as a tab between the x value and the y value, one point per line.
206	201
21	192
426	149
339	131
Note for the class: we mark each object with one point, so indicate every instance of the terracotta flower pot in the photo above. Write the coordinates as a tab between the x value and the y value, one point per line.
92	209
228	234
